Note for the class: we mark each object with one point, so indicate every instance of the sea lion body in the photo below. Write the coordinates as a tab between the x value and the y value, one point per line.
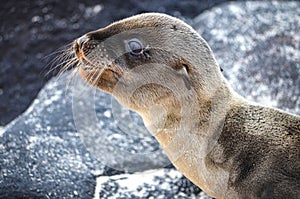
161	68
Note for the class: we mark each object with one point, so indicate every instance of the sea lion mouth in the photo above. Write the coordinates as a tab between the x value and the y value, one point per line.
86	64
102	71
99	75
95	71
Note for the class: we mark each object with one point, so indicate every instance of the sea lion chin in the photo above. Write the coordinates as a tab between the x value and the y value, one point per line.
229	147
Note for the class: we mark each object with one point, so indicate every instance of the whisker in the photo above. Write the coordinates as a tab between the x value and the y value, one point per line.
97	77
59	58
61	62
67	64
64	56
71	78
87	86
60	50
89	79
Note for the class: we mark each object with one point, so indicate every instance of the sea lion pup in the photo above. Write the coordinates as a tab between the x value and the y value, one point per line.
161	68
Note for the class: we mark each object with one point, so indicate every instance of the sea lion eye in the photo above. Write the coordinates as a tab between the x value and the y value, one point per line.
135	47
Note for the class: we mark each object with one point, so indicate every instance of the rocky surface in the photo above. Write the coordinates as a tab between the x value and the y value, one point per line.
40	154
54	151
30	31
171	184
258	46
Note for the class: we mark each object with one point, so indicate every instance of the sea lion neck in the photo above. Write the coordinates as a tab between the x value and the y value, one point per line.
161	68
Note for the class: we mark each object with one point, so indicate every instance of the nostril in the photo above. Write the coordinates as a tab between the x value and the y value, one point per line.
80	41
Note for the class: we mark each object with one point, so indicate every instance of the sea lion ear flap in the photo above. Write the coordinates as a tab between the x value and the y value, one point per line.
185	76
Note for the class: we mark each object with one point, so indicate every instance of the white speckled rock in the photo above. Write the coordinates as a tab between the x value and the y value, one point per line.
156	184
41	156
258	46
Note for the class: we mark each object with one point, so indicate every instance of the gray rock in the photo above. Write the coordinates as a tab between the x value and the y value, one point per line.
257	45
41	156
158	184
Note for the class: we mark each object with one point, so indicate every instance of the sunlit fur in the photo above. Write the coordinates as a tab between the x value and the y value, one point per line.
256	149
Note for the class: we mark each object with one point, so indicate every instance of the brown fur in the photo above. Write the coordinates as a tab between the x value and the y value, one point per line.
227	146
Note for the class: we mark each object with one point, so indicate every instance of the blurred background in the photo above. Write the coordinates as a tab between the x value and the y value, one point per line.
30	30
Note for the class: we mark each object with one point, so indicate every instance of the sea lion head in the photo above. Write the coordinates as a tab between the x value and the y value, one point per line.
151	58
160	67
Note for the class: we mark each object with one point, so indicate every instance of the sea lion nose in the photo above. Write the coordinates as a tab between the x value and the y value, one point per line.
78	44
80	41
